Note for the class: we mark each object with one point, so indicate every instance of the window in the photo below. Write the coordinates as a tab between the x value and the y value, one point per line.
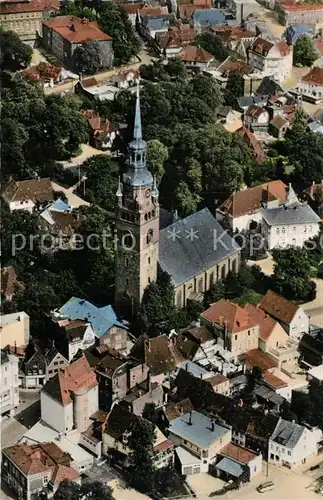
126	262
211	279
236	337
61	362
50	371
277	230
294	229
283	230
149	237
249	333
289	453
310	229
5	381
55	363
305	229
128	240
200	285
45	480
179	299
127	282
148	279
148	260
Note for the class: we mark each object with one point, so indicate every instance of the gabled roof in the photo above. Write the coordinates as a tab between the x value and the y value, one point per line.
174	410
195	257
43	71
231	64
102	319
200	333
238	453
37	190
314	76
251	141
255	111
118	421
161	355
104	359
30	6
230	315
256	357
247	200
278	307
273	381
192	53
287	433
266	323
75	30
295	213
77	375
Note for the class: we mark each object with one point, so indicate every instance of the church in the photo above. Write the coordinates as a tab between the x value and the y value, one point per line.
195	251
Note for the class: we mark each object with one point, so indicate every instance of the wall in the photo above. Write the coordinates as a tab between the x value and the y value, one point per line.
307	89
93	400
137	374
25	24
27	205
155	396
278	337
58	363
16	332
206	454
304	448
299	325
95	448
241	342
255	466
9	387
116	338
290	235
56	415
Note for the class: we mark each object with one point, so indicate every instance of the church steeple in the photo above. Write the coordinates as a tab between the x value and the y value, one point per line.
137	174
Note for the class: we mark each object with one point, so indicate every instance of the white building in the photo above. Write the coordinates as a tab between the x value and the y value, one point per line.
292	444
273	59
293	318
14	329
311	85
200	437
243	207
70	398
26	195
9	386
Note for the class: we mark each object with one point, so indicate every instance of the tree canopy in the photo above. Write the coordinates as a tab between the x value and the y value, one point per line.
96	490
15	55
87	58
304	51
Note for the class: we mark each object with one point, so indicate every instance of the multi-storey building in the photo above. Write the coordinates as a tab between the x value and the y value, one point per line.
301	13
273	59
9	390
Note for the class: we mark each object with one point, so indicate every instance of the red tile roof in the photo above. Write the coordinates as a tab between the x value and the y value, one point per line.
238	453
255	111
43	71
302	7
98	125
89	82
247	200
165	445
256	357
283	48
229	314
231	64
314	77
28	6
266	323
77	375
273	381
252	143
229	33
192	53
278	307
76	30
217	379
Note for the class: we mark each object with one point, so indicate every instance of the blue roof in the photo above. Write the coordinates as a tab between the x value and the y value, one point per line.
157	23
295	31
230	467
210	17
199	431
101	318
60	206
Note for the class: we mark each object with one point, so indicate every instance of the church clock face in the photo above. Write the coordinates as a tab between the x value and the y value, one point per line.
148	192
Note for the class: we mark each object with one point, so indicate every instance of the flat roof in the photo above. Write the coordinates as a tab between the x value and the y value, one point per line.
8	319
198	429
186	458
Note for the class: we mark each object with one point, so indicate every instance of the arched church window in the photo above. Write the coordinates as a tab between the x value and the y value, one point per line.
153	213
234	266
150	235
200	285
179	299
126	262
146	216
211	278
223	272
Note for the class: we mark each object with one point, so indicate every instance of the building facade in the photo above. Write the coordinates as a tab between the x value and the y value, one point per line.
309	14
14	329
9	390
273	59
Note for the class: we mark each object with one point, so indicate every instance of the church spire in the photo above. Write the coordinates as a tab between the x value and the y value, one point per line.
137	131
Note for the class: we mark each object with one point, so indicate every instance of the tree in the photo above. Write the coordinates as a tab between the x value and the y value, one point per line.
96	490
186	201
141	441
216	292
157	306
114	22
239	283
157	154
304	53
234	88
15	55
293	286
102	181
213	44
149	412
87	58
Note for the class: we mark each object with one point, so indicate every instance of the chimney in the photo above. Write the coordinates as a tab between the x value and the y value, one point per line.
212	425
190	418
186	366
149	381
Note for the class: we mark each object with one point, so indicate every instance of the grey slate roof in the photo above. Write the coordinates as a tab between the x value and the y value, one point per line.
200	431
295	213
191	246
287	433
230	467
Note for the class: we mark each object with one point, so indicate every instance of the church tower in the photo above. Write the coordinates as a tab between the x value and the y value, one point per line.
137	225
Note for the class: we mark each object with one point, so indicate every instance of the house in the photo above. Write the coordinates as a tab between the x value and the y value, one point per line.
55	362
222	71
295	31
198	438
257	358
111	371
174	410
144	393
150	26
25	18
103	133
271	333
311	85
60	222
241	9
252	100
70	397
126	80
256	119
273	59
46	74
235	461
220	384
242	210
9	284
106	327
278	127
72	336
9	392
289	224
31	470
93	89
233	325
236	38
28	195
253	144
14	329
63	34
186	8
292	317
205	18
316	372
226	114
299	13
117	429
199	267
293	444
311	347
218	358
161	357
175	39
195	57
